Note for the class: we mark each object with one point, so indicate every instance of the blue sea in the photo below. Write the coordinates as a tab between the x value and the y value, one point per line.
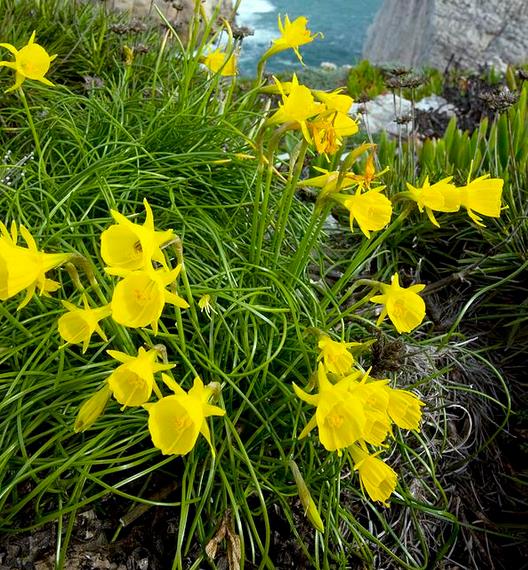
343	23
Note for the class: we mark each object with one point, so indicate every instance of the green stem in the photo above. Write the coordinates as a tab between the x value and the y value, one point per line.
363	254
300	259
178	248
31	123
341	315
286	201
261	200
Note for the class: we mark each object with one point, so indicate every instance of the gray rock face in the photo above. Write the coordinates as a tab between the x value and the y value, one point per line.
431	32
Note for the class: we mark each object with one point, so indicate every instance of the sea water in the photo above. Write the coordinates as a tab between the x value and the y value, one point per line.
343	23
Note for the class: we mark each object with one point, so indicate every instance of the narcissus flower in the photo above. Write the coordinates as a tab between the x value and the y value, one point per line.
297	107
404	408
293	35
374	400
336	110
126	245
440	197
324	136
335	100
92	408
371	210
78	325
377	478
132	382
328	129
335	355
139	298
25	267
339	416
176	421
483	196
31	62
219	62
406	309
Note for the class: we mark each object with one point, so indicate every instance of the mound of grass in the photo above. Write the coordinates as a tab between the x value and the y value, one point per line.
121	126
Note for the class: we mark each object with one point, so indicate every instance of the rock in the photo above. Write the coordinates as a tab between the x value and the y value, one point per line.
472	33
383	113
436	104
328	66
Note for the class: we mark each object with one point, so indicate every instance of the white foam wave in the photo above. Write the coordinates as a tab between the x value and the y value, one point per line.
250	11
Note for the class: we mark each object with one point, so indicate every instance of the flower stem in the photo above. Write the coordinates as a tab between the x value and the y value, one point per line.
302	255
362	255
286	201
31	123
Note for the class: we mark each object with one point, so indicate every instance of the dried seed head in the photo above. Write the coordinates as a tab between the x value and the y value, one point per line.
241	32
403	119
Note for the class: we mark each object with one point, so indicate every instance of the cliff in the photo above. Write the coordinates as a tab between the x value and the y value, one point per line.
432	32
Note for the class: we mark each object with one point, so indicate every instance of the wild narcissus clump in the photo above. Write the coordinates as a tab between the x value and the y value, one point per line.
355	412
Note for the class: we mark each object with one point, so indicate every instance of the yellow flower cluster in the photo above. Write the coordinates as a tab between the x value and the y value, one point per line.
134	253
480	196
130	251
355	413
322	117
373	211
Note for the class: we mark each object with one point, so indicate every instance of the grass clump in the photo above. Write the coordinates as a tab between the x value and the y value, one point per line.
217	285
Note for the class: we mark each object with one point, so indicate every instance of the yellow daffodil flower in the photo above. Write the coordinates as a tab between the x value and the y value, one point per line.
483	196
297	107
132	246
91	409
344	125
337	106
78	325
374	401
371	210
324	136
384	405
31	62
406	309
218	62
404	408
335	355
176	421
377	478
440	197
339	416
132	382
139	298
328	129
293	35
25	267
335	100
